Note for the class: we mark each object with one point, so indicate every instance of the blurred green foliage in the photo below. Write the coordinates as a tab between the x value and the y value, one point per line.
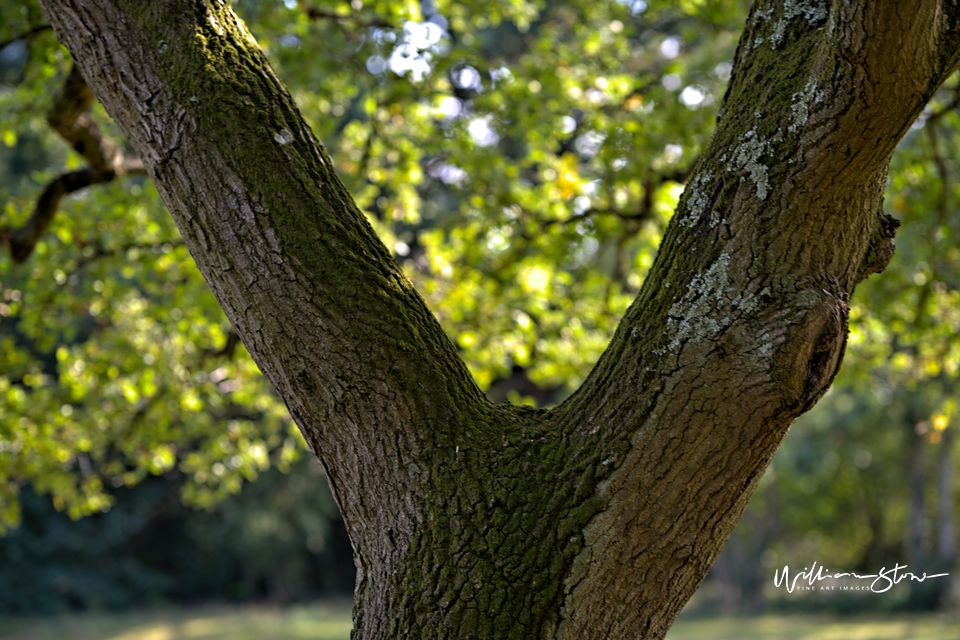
521	160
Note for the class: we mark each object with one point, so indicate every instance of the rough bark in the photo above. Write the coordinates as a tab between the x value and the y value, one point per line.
597	519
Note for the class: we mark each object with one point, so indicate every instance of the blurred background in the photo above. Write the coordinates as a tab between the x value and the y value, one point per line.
521	159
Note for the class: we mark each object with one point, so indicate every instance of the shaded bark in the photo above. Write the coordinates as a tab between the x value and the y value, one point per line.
599	518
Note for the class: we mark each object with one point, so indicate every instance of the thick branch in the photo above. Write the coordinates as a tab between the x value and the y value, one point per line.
363	366
228	348
68	116
741	324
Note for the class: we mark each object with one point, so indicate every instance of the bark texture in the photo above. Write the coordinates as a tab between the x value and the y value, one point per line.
597	519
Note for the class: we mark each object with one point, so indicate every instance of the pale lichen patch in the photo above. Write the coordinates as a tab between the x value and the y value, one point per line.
746	157
814	11
764	14
715	218
801	103
711	304
691	316
766	344
698	199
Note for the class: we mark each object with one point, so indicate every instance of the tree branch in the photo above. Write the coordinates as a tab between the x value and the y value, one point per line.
227	350
98	251
22	240
68	116
26	35
644	210
947	108
324	14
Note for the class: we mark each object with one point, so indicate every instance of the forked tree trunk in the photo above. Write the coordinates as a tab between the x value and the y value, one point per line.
597	519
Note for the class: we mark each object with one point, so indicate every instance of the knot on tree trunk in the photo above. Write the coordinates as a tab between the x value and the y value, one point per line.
821	343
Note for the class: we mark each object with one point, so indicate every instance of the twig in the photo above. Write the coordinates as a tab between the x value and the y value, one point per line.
22	240
643	212
100	252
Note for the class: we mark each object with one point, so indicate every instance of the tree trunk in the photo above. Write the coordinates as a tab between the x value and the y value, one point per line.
599	518
917	535
946	523
923	595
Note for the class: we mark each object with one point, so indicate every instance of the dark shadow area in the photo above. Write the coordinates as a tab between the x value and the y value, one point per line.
280	541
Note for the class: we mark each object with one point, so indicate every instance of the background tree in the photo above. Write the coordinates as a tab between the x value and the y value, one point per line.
704	320
883	446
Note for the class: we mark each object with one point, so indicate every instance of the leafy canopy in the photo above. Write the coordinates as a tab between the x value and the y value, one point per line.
521	159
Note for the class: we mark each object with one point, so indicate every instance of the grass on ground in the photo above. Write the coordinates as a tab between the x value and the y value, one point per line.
326	621
921	627
331	621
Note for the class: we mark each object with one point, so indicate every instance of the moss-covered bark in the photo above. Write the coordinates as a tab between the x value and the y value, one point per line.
597	519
